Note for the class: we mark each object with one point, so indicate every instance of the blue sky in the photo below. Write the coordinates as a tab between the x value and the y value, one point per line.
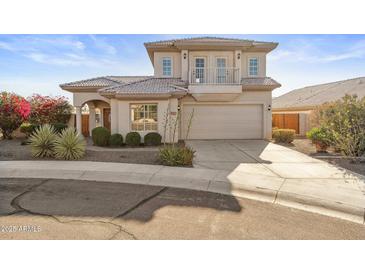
39	63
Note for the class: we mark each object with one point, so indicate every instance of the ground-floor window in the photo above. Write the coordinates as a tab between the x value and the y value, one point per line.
144	117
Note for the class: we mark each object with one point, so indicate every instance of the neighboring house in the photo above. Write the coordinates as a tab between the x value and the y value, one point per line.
220	82
292	109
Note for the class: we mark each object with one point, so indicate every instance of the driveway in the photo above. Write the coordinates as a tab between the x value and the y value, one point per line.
78	209
282	175
229	154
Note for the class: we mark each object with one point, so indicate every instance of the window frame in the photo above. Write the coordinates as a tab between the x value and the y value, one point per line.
204	74
221	79
249	65
144	112
172	66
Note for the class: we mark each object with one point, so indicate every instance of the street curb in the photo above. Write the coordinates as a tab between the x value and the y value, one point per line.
292	200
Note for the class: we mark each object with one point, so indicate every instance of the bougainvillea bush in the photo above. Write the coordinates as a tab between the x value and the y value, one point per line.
14	110
49	110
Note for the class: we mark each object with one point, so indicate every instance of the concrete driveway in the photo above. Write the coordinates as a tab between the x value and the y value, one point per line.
229	154
278	174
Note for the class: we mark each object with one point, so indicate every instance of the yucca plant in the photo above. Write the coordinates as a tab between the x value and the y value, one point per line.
69	145
42	141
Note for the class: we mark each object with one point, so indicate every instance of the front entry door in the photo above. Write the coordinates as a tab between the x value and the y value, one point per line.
106	118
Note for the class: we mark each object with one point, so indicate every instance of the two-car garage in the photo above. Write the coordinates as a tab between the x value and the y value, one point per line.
223	121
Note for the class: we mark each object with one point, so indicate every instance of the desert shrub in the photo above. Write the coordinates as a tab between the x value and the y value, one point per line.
152	139
27	129
133	139
14	110
42	141
320	136
283	135
116	140
69	145
176	156
49	110
345	122
100	136
59	127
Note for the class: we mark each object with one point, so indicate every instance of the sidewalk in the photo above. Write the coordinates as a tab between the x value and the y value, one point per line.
341	196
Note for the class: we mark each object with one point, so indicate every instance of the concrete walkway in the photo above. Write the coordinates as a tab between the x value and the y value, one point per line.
320	188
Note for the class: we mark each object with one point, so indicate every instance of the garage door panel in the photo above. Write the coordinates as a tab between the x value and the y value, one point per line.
223	121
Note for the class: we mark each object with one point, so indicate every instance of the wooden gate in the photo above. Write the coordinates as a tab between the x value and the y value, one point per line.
286	120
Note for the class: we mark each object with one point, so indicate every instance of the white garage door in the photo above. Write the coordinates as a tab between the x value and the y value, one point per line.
223	121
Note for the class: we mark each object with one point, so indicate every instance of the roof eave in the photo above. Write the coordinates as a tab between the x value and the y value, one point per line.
260	87
80	89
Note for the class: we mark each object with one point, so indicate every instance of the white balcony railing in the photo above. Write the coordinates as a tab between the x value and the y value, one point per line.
214	76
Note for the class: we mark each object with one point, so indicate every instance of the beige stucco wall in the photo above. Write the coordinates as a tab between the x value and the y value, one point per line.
262	63
263	98
80	98
181	67
121	116
176	63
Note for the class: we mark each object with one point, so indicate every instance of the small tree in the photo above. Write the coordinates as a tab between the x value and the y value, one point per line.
49	110
14	109
345	122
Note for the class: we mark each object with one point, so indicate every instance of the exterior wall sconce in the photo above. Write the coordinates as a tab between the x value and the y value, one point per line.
184	56
238	56
269	108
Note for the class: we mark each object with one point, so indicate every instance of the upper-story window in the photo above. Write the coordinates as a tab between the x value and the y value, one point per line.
253	66
167	66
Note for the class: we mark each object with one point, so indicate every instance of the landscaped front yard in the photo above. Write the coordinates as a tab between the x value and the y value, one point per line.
13	150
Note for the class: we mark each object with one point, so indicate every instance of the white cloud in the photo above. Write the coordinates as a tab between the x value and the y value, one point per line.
103	45
6	46
312	53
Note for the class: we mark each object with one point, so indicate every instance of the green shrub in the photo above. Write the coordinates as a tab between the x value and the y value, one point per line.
69	145
283	135
59	127
100	136
320	136
27	129
116	140
133	139
152	139
345	121
42	141
176	156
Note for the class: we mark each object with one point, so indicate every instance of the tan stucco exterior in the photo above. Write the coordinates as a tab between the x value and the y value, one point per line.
247	106
176	63
121	116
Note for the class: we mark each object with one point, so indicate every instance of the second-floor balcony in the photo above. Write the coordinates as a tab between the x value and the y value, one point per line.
214	76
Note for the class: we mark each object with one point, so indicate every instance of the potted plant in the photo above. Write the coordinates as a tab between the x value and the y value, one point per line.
321	137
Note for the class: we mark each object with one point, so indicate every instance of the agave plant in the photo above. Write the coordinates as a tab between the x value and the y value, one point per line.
42	141
69	145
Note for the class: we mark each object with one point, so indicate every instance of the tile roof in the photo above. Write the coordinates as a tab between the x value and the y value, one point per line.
311	96
259	81
199	39
104	81
147	86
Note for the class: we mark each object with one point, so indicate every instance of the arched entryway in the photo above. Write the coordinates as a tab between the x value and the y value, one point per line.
91	114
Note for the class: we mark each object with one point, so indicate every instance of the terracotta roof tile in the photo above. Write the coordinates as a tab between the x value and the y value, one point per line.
104	81
147	86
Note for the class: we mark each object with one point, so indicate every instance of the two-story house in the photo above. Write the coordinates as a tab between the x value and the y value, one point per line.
216	88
